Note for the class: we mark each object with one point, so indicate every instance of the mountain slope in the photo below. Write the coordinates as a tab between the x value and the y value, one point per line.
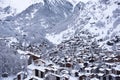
99	18
32	25
58	20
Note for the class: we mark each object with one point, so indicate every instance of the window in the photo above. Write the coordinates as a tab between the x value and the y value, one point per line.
36	72
57	78
19	77
42	74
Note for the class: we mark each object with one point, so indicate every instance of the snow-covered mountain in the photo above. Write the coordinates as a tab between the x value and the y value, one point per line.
14	7
7	11
100	18
58	20
19	5
57	29
39	19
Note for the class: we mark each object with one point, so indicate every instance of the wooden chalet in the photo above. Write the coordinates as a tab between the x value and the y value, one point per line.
21	76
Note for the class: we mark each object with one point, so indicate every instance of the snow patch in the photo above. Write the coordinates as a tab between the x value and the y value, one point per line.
58	38
19	5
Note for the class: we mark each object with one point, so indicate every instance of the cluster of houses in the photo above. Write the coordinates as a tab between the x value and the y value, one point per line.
86	64
103	66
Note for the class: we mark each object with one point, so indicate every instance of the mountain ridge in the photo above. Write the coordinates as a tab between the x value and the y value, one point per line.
59	20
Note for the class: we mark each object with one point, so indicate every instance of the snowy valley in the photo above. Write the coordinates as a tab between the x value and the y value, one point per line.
60	40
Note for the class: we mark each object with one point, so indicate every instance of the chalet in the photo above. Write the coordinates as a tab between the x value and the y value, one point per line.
64	71
21	75
101	70
65	77
114	77
88	69
52	76
110	65
75	73
68	65
108	71
32	57
37	71
117	58
79	60
29	55
61	64
116	70
39	62
52	69
100	76
82	77
86	76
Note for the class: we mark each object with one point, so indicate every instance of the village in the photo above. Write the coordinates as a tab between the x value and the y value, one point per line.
60	40
104	65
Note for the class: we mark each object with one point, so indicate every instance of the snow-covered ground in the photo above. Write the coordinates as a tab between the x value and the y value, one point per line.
8	78
58	38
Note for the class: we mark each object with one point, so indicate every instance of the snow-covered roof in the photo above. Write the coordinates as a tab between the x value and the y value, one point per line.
88	68
27	53
108	69
21	72
114	75
33	67
73	78
65	71
83	73
52	68
65	75
94	79
100	74
101	69
117	67
31	53
21	52
111	64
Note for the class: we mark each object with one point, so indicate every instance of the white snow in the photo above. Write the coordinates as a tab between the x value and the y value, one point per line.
100	74
73	78
33	67
18	29
10	40
21	52
33	13
58	38
27	53
117	67
94	79
8	78
76	1
19	5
